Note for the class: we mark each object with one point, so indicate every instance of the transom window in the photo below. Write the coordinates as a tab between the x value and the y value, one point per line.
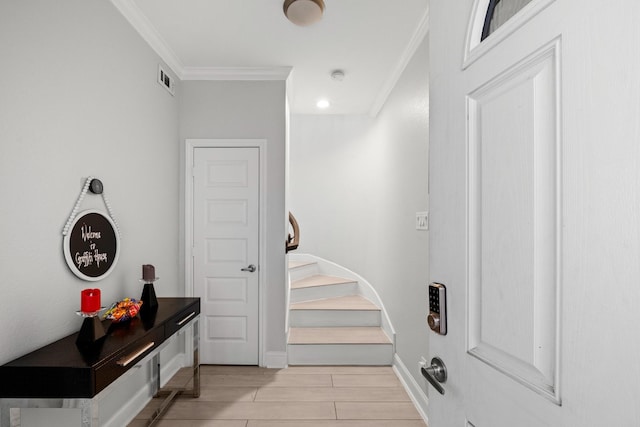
499	12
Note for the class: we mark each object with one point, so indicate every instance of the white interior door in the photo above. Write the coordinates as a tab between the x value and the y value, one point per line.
225	237
534	189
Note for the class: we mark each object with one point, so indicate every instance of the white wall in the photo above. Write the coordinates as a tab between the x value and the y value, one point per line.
356	184
79	98
250	110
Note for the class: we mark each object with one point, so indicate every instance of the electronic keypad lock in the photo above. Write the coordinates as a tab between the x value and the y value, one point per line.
437	318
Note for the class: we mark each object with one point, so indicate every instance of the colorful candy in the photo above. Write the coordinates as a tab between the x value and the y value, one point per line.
124	310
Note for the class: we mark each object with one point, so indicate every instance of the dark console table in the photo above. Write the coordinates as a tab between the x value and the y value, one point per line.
71	376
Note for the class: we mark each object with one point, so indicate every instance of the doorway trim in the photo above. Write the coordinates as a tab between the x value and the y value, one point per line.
190	146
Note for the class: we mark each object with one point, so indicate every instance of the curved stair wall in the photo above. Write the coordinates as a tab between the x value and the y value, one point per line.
335	316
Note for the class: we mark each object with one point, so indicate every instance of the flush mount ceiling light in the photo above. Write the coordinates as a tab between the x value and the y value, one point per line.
303	12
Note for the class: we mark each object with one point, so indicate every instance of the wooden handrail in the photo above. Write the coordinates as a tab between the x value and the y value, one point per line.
293	240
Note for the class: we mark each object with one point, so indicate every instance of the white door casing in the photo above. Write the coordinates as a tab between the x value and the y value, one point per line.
530	183
224	226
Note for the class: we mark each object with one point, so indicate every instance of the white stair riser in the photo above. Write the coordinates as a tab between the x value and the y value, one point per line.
321	292
340	354
327	318
303	271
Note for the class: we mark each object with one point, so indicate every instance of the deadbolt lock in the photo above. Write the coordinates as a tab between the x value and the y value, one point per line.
437	317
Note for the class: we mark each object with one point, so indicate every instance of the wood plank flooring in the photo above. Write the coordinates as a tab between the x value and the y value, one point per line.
305	396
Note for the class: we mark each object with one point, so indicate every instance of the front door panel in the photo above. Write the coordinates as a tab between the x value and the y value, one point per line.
533	213
513	214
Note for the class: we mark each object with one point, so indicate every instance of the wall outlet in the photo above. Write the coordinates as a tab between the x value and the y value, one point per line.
422	220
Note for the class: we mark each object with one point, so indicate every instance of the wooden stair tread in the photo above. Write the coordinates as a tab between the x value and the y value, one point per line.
296	264
349	302
338	335
319	280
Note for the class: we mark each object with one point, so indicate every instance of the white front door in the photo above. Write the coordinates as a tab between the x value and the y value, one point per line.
535	213
226	185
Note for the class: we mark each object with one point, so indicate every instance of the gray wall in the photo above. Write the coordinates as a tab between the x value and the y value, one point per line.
250	110
356	184
79	97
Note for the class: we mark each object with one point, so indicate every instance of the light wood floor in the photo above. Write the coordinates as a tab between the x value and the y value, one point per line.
309	396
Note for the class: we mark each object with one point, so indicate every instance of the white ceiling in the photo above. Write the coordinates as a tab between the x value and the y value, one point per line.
371	40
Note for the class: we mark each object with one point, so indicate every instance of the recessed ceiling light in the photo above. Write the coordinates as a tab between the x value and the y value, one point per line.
323	103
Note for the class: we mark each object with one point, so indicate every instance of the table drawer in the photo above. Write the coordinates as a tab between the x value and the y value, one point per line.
181	319
127	358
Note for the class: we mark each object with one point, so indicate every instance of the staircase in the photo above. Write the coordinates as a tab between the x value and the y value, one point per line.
335	317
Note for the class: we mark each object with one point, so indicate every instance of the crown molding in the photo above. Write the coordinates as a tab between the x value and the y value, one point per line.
417	38
236	73
148	32
141	24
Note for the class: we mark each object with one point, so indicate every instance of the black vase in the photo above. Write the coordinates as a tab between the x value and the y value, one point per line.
148	298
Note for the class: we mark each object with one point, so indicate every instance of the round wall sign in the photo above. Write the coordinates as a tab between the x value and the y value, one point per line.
92	245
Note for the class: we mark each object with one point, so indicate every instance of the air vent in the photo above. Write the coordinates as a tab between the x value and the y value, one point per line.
166	80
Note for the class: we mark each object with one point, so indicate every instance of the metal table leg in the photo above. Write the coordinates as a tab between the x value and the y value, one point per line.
170	395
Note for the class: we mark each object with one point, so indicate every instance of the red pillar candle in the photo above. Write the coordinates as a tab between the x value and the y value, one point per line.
90	300
148	273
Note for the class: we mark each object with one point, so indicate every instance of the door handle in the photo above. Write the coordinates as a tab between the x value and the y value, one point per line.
436	374
251	268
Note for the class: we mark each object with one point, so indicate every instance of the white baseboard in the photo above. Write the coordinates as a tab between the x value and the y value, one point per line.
415	392
274	359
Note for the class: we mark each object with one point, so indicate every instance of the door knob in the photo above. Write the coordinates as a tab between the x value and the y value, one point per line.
436	374
251	268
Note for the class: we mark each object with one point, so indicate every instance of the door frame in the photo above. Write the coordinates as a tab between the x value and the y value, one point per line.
190	146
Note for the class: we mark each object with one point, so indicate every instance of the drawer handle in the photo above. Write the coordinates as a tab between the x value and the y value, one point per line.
130	358
180	323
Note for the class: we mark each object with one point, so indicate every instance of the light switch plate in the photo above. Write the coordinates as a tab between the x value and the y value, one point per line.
422	220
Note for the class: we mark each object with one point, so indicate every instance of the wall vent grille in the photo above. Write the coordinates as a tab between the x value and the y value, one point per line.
166	80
